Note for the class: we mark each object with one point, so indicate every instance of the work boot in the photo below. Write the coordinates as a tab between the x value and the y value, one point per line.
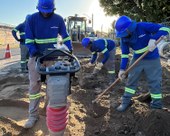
126	102
156	104
24	70
31	122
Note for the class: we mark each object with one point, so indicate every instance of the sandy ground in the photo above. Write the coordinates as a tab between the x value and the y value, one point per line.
85	118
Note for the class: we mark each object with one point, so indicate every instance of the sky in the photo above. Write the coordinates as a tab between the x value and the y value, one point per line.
14	12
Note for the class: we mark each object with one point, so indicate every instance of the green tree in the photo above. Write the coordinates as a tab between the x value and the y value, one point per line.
140	10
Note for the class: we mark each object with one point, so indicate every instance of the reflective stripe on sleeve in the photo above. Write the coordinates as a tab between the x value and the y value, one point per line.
103	51
15	30
165	29
124	56
22	33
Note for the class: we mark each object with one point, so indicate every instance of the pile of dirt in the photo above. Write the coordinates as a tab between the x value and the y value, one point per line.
85	118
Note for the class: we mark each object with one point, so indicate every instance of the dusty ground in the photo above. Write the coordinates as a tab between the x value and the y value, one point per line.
85	118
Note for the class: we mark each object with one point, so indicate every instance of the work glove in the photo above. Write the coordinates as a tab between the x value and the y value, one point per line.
89	65
151	45
97	68
121	75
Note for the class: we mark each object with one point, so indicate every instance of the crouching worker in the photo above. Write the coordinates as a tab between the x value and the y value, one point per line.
141	37
42	29
105	48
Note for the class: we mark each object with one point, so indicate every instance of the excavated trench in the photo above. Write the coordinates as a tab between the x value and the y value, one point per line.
85	118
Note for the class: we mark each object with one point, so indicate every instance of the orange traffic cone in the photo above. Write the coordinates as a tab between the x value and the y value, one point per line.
7	52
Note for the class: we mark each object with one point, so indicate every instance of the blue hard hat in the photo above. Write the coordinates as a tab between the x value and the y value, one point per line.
85	42
46	6
123	25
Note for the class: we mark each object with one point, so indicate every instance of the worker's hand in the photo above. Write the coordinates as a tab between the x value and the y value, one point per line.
89	65
121	74
151	45
99	65
97	68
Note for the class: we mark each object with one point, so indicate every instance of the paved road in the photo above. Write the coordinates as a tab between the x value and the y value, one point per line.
14	52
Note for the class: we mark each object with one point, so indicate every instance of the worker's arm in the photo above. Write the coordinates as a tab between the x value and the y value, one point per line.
155	29
105	57
124	55
14	32
94	57
64	34
104	49
29	38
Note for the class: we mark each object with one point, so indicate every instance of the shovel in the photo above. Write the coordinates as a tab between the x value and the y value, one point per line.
126	72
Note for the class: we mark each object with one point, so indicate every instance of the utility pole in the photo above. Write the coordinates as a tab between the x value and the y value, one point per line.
101	30
92	20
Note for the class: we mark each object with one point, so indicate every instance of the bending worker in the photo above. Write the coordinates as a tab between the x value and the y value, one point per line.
23	49
106	50
140	37
42	29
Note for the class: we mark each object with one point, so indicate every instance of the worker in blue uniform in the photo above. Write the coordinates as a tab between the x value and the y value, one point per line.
103	50
42	30
20	29
140	37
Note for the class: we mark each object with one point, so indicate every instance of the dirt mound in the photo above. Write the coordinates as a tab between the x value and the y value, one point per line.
85	118
155	122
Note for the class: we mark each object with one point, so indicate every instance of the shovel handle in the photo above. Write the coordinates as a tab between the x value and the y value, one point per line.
129	68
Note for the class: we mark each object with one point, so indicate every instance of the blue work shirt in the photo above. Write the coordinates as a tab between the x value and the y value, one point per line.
21	30
138	41
42	33
101	46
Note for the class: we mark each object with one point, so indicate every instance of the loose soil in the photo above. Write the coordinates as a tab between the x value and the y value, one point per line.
85	118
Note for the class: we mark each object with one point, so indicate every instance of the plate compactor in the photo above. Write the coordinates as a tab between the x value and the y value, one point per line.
56	68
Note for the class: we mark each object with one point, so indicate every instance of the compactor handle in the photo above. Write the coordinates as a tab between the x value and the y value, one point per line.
69	65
